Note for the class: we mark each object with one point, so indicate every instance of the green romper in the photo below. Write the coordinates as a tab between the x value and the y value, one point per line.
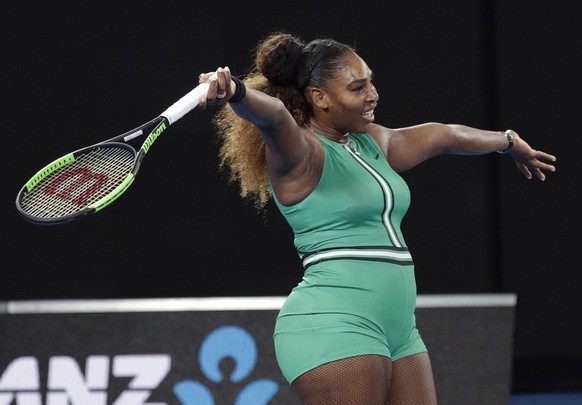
358	291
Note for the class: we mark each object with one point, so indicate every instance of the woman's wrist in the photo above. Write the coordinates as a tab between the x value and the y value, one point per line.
510	136
240	91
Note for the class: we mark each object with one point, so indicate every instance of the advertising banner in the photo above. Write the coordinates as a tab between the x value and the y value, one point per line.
215	351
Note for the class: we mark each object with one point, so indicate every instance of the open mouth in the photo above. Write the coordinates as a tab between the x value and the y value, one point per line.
369	115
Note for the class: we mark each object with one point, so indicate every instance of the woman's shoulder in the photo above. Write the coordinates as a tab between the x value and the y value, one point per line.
379	131
381	135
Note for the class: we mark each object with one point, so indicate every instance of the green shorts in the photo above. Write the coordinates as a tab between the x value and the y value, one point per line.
346	308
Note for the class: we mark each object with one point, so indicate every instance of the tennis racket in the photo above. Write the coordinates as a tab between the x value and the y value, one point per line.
87	180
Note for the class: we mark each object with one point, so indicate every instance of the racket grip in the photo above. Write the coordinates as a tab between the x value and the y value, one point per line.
187	103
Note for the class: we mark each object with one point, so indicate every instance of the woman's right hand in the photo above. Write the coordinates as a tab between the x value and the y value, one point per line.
220	89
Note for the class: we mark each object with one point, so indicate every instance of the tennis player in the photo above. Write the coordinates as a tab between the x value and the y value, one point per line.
301	130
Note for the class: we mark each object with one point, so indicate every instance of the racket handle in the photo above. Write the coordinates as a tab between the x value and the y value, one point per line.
187	103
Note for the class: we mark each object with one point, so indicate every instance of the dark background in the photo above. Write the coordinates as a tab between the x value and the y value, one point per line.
74	73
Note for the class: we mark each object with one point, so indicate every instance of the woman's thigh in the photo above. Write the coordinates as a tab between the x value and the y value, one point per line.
358	380
412	381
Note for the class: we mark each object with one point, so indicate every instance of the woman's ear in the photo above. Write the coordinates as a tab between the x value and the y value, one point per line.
318	98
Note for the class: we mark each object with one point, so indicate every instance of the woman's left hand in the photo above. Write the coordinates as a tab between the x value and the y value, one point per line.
530	161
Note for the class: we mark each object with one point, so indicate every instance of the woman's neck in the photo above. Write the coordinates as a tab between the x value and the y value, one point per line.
327	132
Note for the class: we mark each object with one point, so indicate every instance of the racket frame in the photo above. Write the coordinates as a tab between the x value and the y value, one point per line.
153	128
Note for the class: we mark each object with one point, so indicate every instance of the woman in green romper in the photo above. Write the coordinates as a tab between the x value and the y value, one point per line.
302	131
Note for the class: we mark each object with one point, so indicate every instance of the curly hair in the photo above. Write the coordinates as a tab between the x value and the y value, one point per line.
284	67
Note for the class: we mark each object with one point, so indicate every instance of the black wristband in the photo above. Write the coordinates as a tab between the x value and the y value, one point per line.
240	92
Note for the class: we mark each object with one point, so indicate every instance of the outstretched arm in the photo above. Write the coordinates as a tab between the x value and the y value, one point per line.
408	147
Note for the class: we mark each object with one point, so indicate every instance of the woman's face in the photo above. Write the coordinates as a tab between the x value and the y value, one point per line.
351	97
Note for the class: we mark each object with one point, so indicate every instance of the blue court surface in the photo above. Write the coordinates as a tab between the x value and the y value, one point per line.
565	398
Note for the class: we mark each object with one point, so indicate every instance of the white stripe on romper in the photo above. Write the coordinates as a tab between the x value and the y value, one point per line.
371	253
387	196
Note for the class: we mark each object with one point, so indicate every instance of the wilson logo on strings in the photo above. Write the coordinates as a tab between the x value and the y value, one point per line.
76	185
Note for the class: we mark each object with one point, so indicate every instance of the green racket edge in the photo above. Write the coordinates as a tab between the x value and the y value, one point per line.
109	198
48	169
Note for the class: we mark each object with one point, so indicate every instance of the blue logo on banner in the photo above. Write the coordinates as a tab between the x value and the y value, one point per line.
227	342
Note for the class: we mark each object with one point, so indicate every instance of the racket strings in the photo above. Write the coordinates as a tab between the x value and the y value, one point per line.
91	177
